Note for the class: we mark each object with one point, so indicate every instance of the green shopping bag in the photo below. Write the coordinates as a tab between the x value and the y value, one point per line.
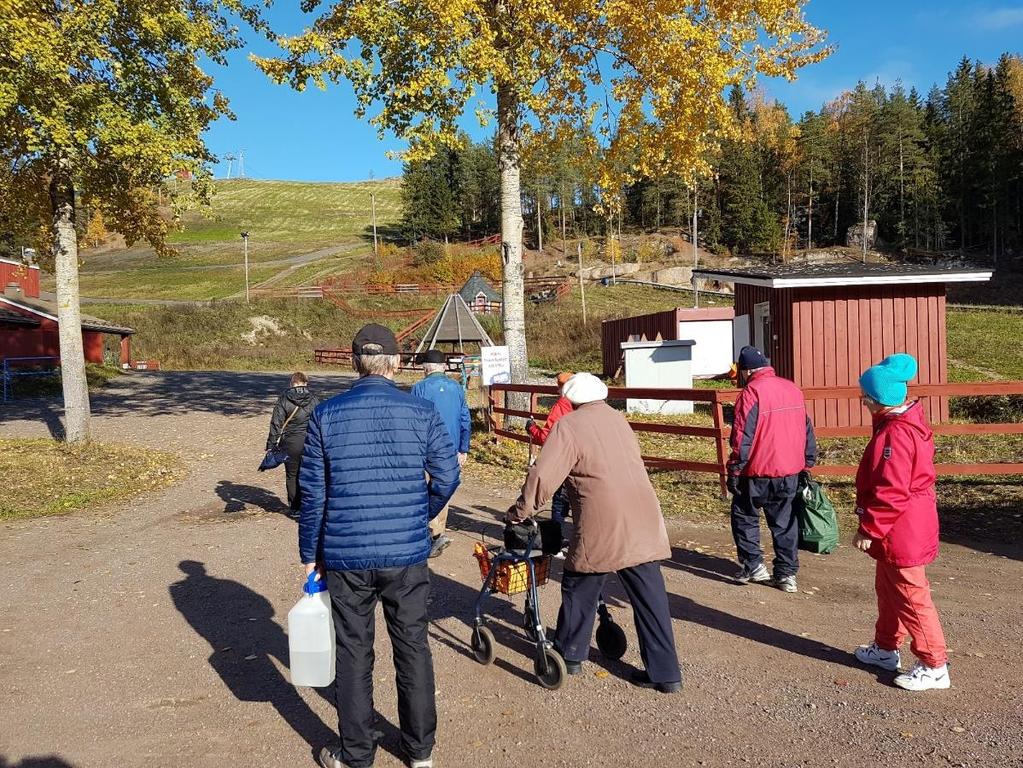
818	523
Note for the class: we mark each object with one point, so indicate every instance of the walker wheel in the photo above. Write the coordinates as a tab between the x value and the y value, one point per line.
611	639
483	645
550	669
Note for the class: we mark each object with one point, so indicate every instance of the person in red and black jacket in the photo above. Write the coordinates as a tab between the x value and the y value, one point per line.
898	513
562	407
772	442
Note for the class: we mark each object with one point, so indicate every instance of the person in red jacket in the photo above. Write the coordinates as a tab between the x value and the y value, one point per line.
562	407
772	442
898	513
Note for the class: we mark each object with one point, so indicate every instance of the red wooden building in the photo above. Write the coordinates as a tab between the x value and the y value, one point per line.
29	328
24	276
822	325
669	325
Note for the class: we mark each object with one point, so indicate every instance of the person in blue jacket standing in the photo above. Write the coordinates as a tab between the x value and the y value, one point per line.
449	398
378	465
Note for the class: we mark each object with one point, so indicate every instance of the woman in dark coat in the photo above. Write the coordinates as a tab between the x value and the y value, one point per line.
287	425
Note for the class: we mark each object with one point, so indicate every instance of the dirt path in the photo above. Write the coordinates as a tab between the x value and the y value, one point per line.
152	634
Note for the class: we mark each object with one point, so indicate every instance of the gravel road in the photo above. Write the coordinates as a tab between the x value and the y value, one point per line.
152	633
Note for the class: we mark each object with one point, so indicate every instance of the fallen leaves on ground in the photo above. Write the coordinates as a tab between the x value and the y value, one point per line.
45	477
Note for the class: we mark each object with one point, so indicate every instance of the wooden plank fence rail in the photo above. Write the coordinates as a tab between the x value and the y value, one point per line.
719	432
296	292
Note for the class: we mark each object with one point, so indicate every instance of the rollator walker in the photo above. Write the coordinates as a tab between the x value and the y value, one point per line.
511	570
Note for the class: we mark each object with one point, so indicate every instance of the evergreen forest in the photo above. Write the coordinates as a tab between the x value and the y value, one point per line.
938	172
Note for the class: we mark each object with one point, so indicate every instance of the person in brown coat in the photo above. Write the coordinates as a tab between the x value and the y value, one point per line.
618	529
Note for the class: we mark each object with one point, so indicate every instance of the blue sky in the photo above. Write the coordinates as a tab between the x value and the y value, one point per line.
314	135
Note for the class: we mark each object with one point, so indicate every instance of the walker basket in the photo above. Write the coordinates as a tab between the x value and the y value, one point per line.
512	577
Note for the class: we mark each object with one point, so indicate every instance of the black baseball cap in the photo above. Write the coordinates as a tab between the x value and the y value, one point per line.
434	356
378	336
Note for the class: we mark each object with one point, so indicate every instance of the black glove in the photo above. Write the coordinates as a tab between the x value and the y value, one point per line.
733	485
805	478
530	425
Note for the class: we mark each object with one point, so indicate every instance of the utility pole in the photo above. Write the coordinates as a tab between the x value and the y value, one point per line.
245	240
582	284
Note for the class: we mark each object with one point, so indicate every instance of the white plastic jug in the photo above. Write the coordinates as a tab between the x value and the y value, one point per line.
311	636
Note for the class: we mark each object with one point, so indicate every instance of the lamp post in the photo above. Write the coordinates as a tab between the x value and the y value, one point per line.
245	240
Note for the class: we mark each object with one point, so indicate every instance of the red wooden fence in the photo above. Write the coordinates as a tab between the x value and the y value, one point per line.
719	432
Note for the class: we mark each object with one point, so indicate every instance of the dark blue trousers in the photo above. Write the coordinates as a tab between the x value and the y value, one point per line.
559	504
774	495
644	586
404	593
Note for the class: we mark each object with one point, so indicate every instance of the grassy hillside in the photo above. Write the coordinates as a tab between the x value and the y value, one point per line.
293	212
982	345
296	231
221	335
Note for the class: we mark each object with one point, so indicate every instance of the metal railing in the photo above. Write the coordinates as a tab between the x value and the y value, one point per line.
10	369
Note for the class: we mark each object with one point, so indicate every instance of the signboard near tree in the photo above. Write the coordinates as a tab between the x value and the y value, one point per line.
496	365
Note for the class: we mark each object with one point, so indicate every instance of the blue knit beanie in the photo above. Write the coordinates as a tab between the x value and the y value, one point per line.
751	358
885	383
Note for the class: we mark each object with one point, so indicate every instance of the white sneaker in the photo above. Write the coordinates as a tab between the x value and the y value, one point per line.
758	575
878	657
786	584
426	762
924	678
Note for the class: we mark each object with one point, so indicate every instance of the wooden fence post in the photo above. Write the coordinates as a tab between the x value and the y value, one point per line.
722	445
534	399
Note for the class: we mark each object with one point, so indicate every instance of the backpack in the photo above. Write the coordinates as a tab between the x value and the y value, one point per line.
818	523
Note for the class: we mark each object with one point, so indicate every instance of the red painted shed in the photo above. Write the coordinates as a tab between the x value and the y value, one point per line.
28	328
657	325
17	273
822	325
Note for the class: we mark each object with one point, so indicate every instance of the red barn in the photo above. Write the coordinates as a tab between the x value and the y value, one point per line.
28	323
822	325
24	276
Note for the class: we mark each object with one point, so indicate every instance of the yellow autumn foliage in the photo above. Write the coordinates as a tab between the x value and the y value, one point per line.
650	74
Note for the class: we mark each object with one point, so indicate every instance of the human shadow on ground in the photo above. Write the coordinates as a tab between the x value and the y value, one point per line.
47	761
687	610
237	496
467	520
244	639
703	565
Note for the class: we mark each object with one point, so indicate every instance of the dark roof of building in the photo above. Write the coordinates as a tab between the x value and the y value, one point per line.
475	285
13	318
49	309
844	273
455	323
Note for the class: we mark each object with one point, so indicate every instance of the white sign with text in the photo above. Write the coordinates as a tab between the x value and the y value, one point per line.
496	365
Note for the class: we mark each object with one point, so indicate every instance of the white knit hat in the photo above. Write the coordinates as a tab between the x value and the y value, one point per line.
584	388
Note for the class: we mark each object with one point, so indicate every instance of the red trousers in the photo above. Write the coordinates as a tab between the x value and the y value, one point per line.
905	607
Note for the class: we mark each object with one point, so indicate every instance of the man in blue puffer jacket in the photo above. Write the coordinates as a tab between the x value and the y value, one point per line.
364	525
449	398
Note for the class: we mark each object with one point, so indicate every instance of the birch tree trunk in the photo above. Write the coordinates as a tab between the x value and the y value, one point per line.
72	353
513	307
